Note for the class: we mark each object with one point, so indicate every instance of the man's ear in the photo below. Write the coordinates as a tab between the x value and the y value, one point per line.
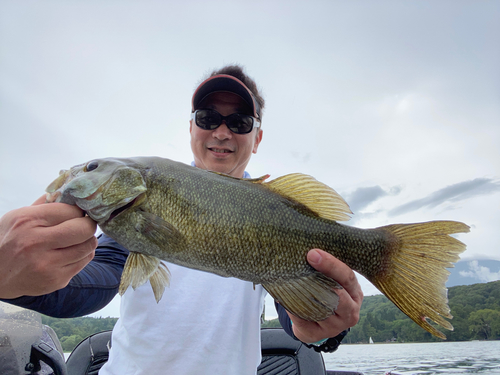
258	139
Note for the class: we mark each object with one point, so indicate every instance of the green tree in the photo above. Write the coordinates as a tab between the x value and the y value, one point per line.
68	343
71	331
485	324
274	323
476	310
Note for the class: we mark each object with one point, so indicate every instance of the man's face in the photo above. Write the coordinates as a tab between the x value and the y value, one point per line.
221	150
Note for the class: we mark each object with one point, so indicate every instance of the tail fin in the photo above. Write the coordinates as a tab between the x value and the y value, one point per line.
415	282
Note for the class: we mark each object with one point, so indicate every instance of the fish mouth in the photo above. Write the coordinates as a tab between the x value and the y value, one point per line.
134	202
118	211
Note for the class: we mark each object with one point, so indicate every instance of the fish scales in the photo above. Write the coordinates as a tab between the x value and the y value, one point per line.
260	232
237	220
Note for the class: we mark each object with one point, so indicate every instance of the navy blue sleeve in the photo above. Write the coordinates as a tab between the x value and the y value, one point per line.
331	344
284	320
87	292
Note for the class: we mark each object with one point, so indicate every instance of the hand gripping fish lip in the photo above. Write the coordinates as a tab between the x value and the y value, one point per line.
103	189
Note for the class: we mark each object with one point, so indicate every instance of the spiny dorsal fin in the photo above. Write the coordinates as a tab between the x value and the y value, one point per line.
318	197
258	180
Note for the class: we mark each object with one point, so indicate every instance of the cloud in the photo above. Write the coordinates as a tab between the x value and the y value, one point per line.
481	273
453	193
364	196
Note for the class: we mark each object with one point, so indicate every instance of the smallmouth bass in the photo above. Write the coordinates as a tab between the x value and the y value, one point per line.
259	232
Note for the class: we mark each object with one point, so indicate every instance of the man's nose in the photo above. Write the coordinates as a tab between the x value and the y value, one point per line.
222	132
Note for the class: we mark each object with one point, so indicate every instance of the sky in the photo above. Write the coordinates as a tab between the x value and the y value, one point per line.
485	274
395	105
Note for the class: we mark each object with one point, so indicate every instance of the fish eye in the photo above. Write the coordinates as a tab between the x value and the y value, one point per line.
91	166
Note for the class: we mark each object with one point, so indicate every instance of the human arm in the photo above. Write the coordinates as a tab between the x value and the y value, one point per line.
347	312
89	291
42	247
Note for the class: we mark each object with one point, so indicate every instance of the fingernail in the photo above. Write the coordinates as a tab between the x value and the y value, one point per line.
314	257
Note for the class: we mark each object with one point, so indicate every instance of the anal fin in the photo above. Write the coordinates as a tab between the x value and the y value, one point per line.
140	268
310	297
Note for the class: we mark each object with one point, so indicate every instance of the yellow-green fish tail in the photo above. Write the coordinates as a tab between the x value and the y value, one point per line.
415	277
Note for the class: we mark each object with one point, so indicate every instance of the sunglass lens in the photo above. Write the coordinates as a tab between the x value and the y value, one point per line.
240	124
207	119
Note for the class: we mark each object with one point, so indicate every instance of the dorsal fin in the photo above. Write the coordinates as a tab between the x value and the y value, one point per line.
318	197
258	180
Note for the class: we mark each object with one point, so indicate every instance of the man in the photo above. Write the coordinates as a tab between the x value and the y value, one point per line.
203	322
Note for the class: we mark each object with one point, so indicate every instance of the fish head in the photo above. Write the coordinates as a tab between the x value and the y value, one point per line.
103	188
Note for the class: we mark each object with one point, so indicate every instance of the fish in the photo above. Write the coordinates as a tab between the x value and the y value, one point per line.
259	231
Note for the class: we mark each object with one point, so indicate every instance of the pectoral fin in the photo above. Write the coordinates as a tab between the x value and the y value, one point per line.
140	268
160	232
311	297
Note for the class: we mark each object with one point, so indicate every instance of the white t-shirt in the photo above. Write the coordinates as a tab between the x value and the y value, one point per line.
204	324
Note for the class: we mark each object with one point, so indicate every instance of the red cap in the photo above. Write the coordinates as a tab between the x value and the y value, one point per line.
227	83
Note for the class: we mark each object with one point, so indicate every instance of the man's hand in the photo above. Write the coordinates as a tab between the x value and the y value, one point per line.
42	247
350	298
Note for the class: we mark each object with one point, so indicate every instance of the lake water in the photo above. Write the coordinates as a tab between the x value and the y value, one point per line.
481	357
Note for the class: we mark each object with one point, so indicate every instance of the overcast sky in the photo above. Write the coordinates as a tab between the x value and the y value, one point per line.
396	105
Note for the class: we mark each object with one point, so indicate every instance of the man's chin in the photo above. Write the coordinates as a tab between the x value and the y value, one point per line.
224	168
221	166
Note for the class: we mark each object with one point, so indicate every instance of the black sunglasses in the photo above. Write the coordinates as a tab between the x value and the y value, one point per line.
210	119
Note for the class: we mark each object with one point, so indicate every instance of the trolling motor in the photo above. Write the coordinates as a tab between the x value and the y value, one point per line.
26	346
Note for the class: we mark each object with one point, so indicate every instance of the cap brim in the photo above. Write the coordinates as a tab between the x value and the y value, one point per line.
224	82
